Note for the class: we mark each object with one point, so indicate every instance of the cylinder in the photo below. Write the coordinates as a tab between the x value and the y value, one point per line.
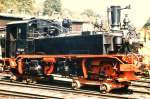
117	41
115	17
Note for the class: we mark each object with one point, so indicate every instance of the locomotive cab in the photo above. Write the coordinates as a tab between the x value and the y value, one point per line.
21	34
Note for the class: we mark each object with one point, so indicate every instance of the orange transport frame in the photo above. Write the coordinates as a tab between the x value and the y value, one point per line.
113	76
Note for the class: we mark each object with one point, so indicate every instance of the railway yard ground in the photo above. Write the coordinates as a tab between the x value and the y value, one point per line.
51	51
62	90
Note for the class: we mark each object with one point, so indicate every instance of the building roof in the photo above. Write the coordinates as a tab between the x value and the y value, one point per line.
17	22
14	16
79	21
2	28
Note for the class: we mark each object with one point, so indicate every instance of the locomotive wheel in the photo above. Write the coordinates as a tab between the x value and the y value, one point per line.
125	87
13	78
147	73
1	69
76	84
29	80
104	88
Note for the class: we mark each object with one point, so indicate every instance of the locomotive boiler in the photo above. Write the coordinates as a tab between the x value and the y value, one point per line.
45	36
37	48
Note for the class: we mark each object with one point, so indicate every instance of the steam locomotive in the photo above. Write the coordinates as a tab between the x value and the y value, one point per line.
36	48
38	35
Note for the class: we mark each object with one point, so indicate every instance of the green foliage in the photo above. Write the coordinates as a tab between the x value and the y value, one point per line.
88	13
16	5
2	7
147	24
7	4
25	6
51	6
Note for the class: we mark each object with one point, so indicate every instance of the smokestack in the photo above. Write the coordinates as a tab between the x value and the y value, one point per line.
115	17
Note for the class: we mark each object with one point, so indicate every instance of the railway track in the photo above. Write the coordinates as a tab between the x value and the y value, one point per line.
89	92
145	83
141	86
25	95
69	90
62	89
142	81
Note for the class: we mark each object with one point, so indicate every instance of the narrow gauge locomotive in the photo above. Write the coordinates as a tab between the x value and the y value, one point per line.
37	49
44	36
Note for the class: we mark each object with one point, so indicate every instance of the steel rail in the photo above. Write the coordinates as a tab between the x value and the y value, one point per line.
137	85
64	89
25	95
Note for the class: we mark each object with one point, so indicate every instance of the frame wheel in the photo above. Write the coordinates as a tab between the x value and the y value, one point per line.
30	80
76	84
13	78
147	73
126	87
104	88
1	69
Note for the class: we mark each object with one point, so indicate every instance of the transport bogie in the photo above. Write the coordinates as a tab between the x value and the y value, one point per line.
106	71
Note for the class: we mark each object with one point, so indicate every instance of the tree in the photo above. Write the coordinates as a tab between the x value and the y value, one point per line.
2	5
6	5
147	24
66	12
16	6
88	13
51	6
146	28
25	6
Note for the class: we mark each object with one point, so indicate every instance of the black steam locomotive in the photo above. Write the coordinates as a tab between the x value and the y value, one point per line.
26	40
45	37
